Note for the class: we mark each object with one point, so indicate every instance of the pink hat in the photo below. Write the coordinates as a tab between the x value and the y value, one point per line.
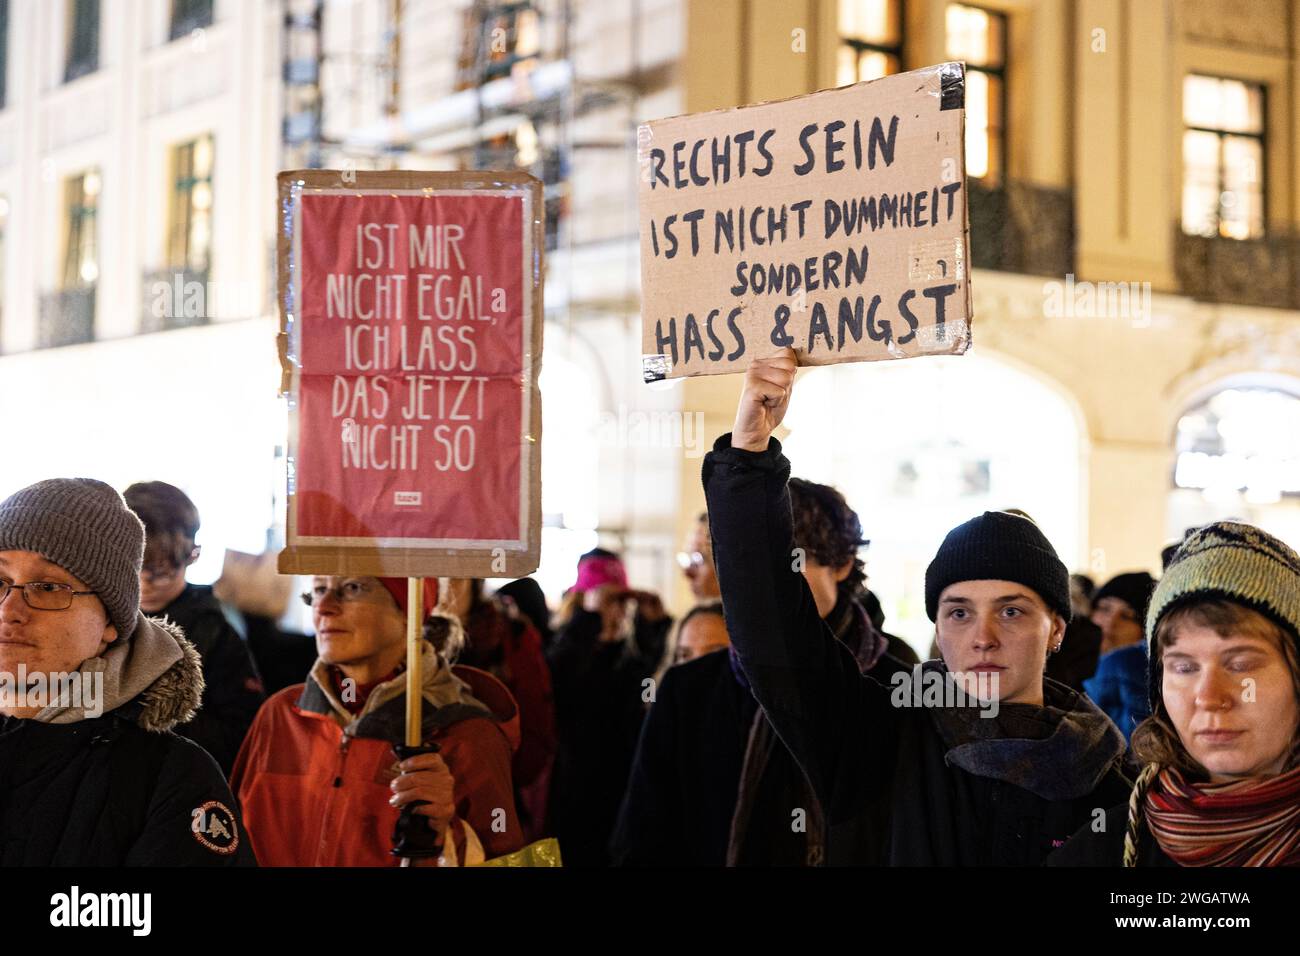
597	569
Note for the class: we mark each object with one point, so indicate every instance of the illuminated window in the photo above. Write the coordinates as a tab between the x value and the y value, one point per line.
81	245
871	40
83	39
4	223
979	37
189	233
1242	445
1223	157
188	16
1237	457
4	48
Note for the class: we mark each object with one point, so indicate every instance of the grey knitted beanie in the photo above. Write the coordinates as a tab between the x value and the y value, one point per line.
84	527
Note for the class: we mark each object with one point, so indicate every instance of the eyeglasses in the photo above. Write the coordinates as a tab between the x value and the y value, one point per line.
345	592
43	595
689	560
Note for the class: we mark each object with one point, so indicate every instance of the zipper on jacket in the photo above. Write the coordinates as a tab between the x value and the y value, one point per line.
343	752
325	852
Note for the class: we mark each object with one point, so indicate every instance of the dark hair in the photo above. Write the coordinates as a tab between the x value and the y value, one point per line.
708	607
171	522
875	613
827	529
1086	584
1156	740
528	598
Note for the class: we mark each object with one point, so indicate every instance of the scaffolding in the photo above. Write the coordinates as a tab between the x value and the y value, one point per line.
513	105
515	102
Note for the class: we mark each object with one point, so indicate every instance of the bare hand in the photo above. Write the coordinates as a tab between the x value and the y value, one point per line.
599	598
610	602
426	777
648	606
764	400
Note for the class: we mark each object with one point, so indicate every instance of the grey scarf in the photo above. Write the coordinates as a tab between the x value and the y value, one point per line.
1059	751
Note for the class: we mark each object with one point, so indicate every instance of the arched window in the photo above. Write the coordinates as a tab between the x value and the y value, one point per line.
919	447
1237	455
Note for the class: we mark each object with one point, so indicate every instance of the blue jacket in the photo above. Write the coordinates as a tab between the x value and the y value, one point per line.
1120	687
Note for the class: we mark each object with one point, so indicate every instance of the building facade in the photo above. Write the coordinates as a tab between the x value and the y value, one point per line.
137	143
1132	191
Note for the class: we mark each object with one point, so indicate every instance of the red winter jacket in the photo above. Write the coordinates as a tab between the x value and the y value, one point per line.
313	782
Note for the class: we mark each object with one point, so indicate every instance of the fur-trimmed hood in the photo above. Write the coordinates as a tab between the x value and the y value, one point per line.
154	678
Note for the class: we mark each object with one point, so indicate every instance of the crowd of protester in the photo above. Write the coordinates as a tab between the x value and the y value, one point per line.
777	722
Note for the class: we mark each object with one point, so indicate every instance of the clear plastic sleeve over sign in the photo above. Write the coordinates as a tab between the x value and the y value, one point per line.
410	342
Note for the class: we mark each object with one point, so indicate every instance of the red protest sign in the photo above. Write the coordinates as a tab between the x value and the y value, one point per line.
411	333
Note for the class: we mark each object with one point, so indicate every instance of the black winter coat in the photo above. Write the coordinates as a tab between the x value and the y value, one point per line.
282	658
599	705
688	802
119	789
1089	847
681	793
867	760
232	691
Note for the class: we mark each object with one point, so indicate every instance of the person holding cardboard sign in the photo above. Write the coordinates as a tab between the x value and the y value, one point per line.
976	759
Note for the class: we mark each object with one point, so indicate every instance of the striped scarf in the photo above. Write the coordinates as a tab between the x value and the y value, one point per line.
1244	823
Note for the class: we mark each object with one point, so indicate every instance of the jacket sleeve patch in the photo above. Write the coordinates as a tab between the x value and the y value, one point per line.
213	825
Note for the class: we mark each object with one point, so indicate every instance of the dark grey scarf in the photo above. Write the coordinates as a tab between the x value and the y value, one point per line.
1059	751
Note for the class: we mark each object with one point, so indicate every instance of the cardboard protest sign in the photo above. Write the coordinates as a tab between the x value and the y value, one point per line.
411	335
834	223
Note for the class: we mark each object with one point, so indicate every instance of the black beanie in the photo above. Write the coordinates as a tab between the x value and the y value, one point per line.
1133	588
998	546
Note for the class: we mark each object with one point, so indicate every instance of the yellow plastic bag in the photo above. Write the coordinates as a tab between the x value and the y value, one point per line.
542	853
